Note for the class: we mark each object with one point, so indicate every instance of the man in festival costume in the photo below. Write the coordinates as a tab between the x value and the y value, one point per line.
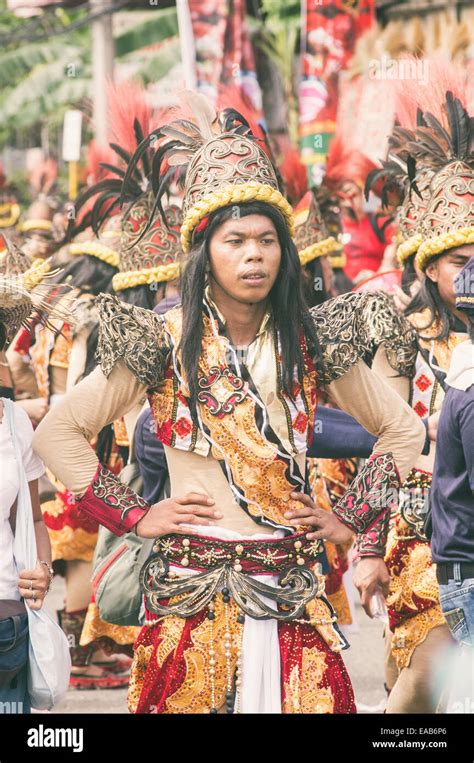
149	266
235	610
445	242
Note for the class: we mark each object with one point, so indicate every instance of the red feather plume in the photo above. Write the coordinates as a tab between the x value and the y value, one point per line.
295	176
429	94
127	102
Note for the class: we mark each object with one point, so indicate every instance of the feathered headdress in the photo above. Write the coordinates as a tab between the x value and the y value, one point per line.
312	238
140	246
225	164
295	176
440	145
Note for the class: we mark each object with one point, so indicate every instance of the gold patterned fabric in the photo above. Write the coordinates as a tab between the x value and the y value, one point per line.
151	255
312	238
259	474
413	603
95	629
185	644
353	326
171	667
448	221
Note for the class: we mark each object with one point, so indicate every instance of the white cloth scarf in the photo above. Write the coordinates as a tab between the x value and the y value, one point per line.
260	689
461	368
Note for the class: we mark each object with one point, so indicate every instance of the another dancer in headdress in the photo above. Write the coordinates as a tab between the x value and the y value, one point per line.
148	273
444	242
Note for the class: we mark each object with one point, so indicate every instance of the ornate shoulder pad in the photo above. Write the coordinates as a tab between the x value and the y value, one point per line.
134	335
351	327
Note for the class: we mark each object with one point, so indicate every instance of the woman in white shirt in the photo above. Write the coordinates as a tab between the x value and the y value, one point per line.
16	584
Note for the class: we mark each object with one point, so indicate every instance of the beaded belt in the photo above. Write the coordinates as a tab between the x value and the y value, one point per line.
230	565
259	557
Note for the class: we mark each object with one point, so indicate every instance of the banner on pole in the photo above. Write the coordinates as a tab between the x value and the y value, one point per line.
72	131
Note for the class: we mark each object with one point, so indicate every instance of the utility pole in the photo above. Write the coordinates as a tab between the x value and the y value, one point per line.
102	66
186	41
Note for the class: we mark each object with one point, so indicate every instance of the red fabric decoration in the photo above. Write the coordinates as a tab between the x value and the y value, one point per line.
202	224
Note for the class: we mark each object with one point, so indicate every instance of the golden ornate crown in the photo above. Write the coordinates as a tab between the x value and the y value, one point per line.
421	159
448	221
229	169
148	254
224	164
410	214
312	238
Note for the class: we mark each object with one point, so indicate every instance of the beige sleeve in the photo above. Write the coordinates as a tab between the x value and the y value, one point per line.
381	366
375	405
62	438
77	359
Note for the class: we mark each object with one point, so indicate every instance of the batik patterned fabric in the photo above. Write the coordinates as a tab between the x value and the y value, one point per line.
413	602
72	532
113	639
170	672
260	471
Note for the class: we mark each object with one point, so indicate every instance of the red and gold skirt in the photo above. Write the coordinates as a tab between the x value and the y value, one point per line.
199	592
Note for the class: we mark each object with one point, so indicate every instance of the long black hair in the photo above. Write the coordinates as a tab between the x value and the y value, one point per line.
3	335
429	297
143	295
88	274
290	310
409	274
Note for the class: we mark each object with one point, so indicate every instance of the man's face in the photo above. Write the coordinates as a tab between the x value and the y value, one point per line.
445	270
244	259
